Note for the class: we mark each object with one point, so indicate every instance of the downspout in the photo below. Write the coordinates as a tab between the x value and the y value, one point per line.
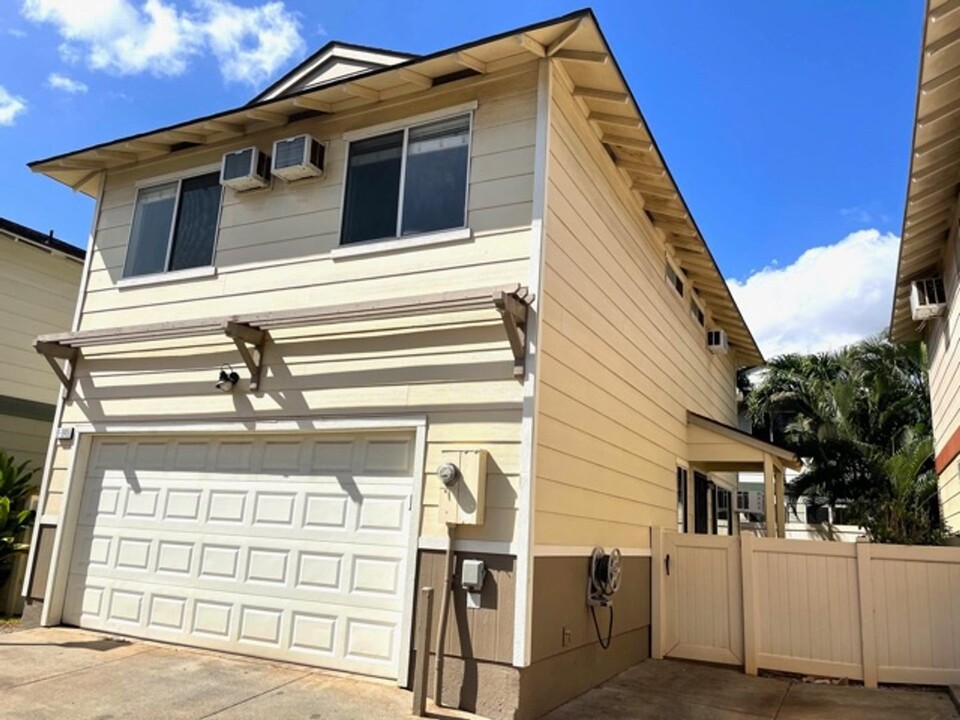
444	611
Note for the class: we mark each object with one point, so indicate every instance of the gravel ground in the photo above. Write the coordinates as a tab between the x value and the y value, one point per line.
9	625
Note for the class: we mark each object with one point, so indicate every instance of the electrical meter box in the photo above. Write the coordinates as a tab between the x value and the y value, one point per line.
461	502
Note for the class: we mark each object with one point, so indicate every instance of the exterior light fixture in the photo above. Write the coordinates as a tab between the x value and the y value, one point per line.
228	379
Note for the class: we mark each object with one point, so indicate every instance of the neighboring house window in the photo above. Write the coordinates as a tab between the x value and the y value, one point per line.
673	277
817	514
697	311
174	226
682	499
407	181
743	500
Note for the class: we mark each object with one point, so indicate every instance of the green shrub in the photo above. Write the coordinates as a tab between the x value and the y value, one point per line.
16	487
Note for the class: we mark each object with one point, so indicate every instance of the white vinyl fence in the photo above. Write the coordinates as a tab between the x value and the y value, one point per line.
877	613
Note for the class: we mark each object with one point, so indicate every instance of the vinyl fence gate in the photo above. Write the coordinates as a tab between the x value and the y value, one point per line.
876	613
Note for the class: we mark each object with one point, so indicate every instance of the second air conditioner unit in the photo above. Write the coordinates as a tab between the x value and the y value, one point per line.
928	298
717	342
298	157
246	169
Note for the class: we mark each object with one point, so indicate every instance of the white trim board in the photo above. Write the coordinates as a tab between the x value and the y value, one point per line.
83	441
523	608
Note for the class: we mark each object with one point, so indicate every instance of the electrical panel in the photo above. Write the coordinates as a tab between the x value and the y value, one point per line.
462	498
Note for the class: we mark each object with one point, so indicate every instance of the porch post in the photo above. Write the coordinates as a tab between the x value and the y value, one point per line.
770	514
781	503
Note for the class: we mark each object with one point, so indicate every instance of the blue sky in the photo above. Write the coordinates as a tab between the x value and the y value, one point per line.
787	125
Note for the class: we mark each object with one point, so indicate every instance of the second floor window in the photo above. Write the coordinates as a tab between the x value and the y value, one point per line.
174	226
407	182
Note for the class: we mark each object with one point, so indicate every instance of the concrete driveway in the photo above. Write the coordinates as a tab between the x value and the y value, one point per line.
65	673
659	689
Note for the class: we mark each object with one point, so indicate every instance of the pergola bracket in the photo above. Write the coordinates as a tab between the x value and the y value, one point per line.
52	352
250	342
513	308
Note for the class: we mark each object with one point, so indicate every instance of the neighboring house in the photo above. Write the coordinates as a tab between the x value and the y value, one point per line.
805	520
927	297
39	280
495	269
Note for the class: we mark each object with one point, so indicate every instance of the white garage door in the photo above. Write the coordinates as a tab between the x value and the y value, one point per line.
288	547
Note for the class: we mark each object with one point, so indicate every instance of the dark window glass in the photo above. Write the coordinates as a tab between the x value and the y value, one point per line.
701	500
373	188
197	217
435	190
150	234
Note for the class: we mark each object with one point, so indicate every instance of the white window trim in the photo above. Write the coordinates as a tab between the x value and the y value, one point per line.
695	301
177	177
170	276
388	245
679	274
372	130
405	125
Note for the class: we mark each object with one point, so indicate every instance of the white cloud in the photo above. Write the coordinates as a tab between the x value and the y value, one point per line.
16	32
69	85
10	107
251	44
831	296
128	37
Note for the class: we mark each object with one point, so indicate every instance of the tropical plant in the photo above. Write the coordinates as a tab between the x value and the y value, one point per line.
16	487
860	419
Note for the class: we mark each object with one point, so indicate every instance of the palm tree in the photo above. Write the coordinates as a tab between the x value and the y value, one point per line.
860	419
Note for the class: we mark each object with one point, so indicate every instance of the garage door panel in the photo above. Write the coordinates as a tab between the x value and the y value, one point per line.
316	572
356	640
193	541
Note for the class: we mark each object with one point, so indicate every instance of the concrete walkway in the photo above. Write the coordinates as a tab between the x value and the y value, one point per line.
60	673
658	689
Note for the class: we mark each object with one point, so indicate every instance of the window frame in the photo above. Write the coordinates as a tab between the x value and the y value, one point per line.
166	273
679	277
696	305
405	125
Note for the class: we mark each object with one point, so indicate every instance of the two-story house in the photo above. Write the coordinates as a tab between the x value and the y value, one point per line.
468	317
39	280
926	302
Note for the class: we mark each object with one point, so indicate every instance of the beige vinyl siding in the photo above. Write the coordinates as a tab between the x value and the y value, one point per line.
273	253
944	354
622	359
38	290
273	248
25	439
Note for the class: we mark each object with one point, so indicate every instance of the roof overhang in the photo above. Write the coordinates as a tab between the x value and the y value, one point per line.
602	93
717	447
931	209
37	239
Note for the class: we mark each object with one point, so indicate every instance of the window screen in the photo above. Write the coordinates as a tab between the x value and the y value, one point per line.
196	222
435	191
373	188
174	226
407	182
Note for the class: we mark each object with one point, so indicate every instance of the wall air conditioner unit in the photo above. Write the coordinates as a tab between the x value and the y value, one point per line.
246	169
298	157
717	342
928	298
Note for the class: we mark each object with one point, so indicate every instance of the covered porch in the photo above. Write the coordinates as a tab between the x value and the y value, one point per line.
715	447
